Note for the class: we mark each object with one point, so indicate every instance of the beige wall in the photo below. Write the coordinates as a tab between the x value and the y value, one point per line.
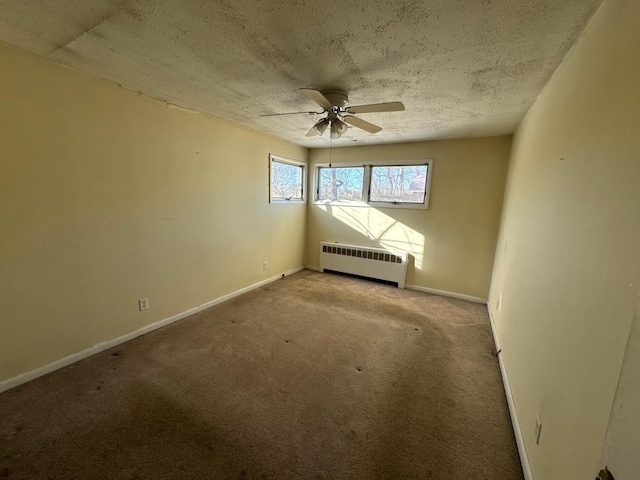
452	242
622	443
568	255
108	196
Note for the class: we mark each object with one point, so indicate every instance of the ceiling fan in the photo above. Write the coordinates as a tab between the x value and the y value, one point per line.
335	104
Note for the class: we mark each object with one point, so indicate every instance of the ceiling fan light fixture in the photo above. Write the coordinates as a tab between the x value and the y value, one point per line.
338	128
321	126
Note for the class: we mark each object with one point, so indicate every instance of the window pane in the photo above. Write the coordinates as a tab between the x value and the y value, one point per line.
398	184
286	181
341	184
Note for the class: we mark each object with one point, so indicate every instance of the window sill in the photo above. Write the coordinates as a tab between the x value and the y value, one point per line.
341	204
407	206
410	206
287	202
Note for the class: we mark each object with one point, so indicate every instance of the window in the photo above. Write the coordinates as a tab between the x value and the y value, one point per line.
402	184
286	180
340	184
399	184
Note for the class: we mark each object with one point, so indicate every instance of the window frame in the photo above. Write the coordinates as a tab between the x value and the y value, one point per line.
295	163
366	193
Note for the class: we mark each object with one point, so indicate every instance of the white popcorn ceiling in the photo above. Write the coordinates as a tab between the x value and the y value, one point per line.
462	68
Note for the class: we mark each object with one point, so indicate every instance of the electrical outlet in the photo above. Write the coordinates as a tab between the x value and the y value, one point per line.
538	429
264	265
143	303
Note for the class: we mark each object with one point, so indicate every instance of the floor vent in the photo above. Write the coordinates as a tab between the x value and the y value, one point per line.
367	262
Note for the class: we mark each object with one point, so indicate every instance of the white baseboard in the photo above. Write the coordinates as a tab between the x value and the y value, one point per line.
447	294
428	290
75	357
524	458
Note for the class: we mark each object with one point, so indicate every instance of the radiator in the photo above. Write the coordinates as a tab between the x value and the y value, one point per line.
370	262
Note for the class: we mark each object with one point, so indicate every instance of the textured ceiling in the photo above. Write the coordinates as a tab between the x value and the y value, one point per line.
462	68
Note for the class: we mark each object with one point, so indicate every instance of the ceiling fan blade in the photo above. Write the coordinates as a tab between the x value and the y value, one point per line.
377	107
317	97
358	122
290	113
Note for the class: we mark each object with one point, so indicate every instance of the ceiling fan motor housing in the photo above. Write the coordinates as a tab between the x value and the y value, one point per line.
338	98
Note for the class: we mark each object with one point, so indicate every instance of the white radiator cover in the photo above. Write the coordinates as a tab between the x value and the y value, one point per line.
378	263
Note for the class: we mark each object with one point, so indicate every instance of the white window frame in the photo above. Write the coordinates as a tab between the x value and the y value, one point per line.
366	186
295	163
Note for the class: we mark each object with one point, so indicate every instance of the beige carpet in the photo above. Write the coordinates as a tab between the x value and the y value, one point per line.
313	376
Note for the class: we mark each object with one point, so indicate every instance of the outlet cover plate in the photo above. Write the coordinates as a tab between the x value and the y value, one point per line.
143	303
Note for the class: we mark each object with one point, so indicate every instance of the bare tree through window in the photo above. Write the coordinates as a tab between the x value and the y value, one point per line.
341	184
286	181
398	184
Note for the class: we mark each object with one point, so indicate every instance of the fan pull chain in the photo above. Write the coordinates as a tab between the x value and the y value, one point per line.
330	150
